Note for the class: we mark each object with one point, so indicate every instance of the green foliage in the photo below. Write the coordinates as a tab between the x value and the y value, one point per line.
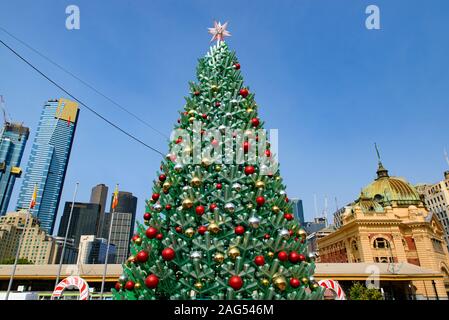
360	292
20	261
208	250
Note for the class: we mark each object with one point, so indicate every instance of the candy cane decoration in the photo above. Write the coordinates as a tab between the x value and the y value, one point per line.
72	281
334	286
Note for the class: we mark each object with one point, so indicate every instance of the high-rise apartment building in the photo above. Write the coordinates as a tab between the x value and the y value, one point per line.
13	138
85	220
436	198
99	196
37	246
92	250
48	160
123	224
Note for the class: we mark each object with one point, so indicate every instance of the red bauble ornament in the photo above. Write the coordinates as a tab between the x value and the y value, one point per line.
255	122
266	236
155	196
235	282
142	256
162	177
204	116
291	232
237	66
239	230
168	254
179	120
160	236
294	282
260	201
244	92
217	104
293	257
129	285
246	146
283	256
151	281
196	93
302	257
214	142
268	153
259	260
212	207
135	237
147	216
178	141
199	210
288	216
286	199
218	186
178	229
118	286
151	232
168	207
249	170
202	230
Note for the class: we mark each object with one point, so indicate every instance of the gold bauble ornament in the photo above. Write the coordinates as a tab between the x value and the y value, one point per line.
278	178
217	168
137	285
280	282
305	280
188	150
191	112
195	182
214	87
166	185
315	285
205	162
130	260
189	232
213	227
198	285
265	282
191	119
234	252
270	254
138	241
219	257
187	203
249	206
260	184
302	234
275	209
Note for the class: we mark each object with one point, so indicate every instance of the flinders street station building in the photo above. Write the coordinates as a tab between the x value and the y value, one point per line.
389	226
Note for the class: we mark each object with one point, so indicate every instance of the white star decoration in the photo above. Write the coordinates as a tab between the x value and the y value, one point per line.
219	31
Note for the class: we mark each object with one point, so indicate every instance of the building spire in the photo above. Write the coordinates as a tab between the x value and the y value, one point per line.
381	171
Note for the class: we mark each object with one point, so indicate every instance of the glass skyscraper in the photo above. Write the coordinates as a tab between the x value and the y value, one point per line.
13	139
48	160
298	211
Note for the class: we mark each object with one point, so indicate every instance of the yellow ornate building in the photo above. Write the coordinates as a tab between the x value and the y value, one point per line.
390	224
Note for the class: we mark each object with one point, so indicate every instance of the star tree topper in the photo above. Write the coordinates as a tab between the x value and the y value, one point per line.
219	31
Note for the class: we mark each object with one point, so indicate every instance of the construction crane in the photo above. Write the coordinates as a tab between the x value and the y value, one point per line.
6	117
445	155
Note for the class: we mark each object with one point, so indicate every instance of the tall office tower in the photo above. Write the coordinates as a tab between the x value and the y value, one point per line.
298	210
48	161
99	195
436	198
13	139
123	224
85	220
92	250
70	251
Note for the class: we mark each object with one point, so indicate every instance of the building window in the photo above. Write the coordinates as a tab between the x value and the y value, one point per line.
381	243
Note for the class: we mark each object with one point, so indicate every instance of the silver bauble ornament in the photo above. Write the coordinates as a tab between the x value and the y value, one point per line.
123	279
229	207
284	233
254	222
222	128
237	187
196	255
178	167
157	207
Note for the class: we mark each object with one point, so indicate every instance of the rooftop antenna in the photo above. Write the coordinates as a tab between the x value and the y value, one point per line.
377	151
325	210
445	156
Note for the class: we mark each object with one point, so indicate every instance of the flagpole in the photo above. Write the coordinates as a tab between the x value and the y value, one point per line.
107	254
65	238
13	273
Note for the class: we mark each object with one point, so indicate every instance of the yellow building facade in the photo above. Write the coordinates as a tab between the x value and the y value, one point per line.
390	224
37	246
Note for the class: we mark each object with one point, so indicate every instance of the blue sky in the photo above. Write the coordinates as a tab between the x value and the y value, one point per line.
329	85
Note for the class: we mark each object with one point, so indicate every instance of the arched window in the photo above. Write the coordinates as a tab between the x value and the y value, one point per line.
381	243
378	198
354	245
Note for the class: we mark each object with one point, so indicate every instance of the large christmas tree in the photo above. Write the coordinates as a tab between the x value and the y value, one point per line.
219	224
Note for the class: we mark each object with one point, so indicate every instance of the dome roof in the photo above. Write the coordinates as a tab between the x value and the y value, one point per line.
386	189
